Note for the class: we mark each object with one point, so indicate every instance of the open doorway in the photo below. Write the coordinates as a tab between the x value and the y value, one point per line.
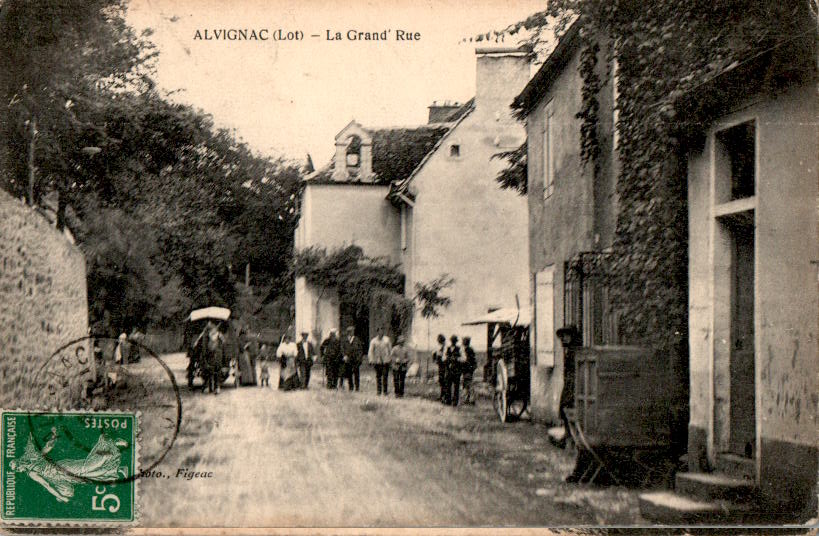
359	318
734	286
742	395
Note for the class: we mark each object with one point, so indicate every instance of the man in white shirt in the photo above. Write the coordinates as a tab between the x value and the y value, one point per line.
379	357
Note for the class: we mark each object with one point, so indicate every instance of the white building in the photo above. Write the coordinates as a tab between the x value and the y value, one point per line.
427	198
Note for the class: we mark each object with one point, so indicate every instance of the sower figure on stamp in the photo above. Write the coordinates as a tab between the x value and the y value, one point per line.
439	356
331	354
352	351
304	360
379	357
400	357
468	366
453	370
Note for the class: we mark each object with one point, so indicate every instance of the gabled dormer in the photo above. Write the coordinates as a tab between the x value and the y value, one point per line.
353	160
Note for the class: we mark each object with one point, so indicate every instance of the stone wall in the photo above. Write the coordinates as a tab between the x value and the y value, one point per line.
43	306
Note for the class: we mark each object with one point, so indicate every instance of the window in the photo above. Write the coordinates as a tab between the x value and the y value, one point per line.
735	149
548	152
544	317
353	155
454	150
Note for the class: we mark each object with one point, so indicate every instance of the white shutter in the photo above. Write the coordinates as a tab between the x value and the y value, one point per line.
545	317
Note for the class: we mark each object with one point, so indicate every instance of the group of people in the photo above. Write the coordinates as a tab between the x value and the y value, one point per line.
295	363
385	356
456	365
342	358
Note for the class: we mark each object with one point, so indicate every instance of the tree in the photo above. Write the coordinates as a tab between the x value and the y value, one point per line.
62	62
513	176
431	298
190	205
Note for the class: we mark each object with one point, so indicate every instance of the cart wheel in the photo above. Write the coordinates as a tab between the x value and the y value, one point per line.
499	398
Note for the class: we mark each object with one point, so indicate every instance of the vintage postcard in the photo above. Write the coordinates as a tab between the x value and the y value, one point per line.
439	266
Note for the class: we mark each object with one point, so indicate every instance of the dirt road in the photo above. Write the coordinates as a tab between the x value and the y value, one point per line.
327	458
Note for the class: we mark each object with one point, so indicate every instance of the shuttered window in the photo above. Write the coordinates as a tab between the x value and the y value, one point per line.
544	317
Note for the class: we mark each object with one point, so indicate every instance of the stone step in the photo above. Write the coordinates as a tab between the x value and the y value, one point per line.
714	486
669	508
736	466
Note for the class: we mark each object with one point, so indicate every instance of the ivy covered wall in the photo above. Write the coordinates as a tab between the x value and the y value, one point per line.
664	51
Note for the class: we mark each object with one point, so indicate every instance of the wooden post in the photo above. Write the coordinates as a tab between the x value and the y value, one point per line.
247	275
33	124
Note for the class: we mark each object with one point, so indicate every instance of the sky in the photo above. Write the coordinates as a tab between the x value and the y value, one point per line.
290	98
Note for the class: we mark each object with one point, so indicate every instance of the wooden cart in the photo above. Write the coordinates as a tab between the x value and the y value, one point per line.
507	366
621	419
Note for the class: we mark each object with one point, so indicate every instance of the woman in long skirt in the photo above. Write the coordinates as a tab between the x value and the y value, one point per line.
288	374
247	367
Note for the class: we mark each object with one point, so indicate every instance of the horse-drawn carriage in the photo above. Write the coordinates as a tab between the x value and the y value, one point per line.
212	348
507	364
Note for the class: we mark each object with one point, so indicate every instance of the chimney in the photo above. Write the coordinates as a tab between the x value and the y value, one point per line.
501	72
441	112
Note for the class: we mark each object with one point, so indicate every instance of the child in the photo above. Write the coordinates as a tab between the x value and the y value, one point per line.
468	366
265	376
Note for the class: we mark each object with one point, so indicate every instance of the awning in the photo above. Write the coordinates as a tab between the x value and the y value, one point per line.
506	315
216	313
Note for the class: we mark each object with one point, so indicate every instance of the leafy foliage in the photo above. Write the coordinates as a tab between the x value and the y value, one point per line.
430	295
169	209
355	276
513	176
62	63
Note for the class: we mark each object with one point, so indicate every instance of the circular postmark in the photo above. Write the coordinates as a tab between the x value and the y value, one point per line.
147	387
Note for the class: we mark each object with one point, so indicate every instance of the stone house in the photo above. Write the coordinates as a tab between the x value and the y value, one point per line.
572	213
435	208
753	371
753	301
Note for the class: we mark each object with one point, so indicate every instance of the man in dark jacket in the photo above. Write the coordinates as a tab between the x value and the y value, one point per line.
352	351
468	366
304	359
331	354
453	370
439	356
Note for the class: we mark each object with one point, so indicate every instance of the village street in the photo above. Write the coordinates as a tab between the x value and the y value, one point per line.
350	459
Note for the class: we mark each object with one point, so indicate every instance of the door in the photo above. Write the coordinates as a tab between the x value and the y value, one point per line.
742	384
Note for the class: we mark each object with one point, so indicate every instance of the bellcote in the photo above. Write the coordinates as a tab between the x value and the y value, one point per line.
353	160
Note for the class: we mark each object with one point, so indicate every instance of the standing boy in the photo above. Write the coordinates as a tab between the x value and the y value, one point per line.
470	363
400	357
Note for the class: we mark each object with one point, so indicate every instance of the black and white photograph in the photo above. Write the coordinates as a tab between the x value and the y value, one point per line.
409	267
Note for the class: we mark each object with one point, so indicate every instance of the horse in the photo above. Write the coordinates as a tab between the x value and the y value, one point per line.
209	354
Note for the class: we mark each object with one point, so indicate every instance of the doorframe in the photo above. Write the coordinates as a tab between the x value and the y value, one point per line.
715	212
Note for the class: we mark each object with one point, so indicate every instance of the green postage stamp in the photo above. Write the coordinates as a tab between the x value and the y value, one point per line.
68	467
